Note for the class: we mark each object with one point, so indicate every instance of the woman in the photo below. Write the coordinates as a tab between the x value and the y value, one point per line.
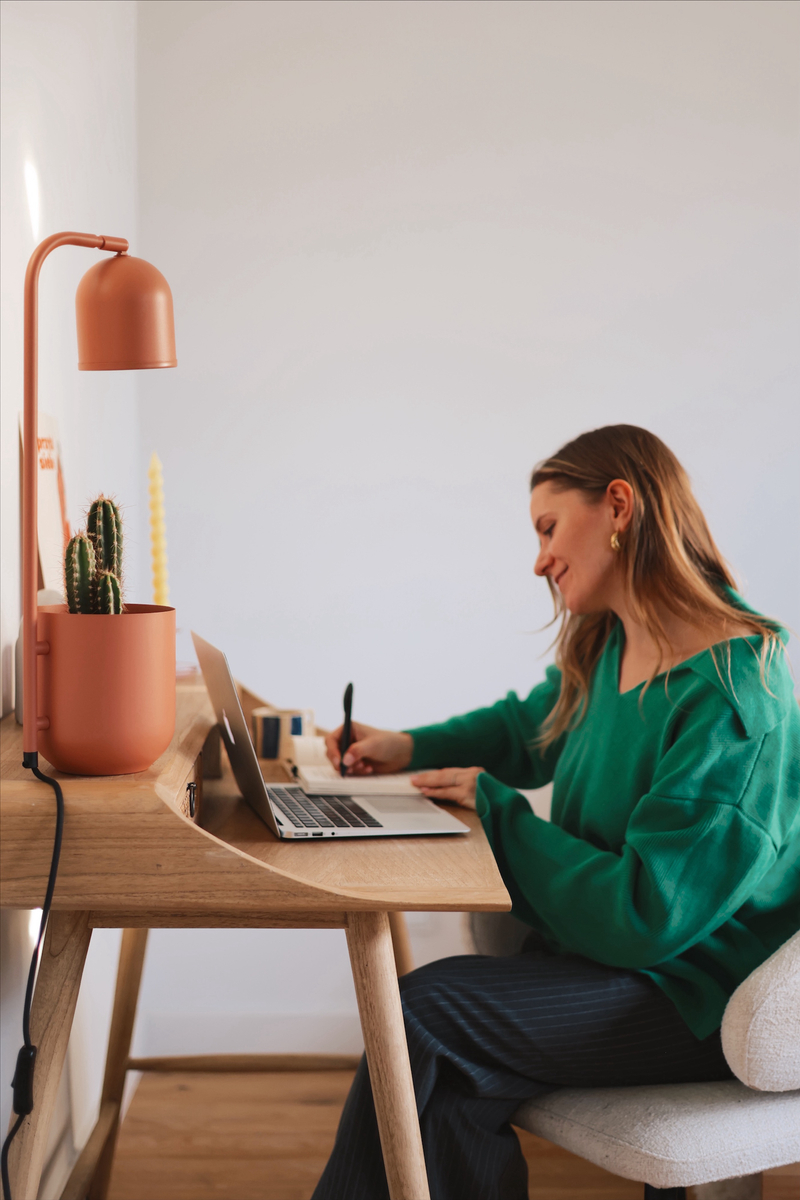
669	870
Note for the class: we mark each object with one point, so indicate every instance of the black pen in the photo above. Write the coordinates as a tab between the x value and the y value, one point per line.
344	741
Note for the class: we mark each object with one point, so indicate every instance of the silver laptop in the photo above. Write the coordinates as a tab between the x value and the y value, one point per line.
288	809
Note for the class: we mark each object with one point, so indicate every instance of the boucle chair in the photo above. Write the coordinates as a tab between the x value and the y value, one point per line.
672	1136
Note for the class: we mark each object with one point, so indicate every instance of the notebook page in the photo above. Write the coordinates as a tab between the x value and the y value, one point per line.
316	771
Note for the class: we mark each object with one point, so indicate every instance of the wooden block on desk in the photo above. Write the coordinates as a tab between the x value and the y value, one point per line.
275	771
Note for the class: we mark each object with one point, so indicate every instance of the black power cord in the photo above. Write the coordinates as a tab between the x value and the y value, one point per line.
22	1082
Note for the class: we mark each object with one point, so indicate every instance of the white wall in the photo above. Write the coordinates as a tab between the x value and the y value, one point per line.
414	247
68	110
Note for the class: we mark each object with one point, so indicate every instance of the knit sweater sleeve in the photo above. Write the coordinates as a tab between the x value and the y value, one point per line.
695	848
500	738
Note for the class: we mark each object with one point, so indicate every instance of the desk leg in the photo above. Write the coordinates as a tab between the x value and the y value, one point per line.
129	978
369	941
65	945
404	959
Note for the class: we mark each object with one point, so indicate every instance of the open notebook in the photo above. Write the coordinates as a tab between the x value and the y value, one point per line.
317	774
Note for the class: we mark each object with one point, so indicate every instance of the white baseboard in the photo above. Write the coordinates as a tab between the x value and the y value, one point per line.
248	1033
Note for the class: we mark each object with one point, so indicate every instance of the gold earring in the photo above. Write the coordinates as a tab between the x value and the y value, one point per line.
615	541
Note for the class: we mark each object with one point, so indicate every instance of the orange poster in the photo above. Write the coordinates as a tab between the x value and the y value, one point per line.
54	531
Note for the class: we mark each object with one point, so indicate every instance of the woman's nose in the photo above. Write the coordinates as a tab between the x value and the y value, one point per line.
542	562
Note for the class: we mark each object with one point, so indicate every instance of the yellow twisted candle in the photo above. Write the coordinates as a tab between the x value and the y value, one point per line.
158	532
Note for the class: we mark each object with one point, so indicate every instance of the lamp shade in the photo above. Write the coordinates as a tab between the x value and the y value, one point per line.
124	311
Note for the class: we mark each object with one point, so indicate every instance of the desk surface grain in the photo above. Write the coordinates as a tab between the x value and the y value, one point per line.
131	855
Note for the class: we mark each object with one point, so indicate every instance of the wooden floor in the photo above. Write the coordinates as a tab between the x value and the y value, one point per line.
194	1136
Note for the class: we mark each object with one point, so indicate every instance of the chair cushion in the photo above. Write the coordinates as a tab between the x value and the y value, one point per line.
671	1135
761	1025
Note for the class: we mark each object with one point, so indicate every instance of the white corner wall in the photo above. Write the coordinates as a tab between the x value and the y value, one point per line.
69	121
414	247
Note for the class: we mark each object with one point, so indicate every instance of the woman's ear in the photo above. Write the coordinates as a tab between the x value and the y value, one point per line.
619	495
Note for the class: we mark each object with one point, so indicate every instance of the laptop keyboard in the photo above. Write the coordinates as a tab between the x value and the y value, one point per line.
321	812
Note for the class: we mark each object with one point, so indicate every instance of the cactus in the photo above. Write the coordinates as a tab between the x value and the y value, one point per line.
93	563
109	594
104	527
79	574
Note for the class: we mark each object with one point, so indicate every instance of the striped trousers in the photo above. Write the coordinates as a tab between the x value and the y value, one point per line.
484	1034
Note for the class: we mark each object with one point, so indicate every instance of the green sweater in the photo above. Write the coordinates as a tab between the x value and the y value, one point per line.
674	841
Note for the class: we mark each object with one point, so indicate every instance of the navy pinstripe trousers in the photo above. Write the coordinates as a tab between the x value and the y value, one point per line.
484	1034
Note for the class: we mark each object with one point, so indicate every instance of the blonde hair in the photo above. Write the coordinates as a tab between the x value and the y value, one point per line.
667	553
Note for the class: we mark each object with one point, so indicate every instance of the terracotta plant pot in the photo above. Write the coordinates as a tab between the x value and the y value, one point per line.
107	688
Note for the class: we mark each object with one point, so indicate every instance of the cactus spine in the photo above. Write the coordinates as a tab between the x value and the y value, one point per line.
104	527
93	563
109	595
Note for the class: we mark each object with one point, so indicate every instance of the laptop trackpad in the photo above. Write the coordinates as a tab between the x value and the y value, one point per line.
411	814
399	804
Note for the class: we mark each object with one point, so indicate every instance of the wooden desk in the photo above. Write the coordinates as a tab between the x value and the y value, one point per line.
133	858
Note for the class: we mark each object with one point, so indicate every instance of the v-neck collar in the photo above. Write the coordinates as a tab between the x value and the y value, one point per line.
738	678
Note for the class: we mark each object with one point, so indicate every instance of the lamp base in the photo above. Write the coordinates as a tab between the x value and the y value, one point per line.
46	596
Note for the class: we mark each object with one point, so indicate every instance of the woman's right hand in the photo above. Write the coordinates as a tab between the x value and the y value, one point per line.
371	751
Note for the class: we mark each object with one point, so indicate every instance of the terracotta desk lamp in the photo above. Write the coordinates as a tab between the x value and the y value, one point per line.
125	322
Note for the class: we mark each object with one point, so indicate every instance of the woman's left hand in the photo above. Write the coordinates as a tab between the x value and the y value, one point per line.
456	784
